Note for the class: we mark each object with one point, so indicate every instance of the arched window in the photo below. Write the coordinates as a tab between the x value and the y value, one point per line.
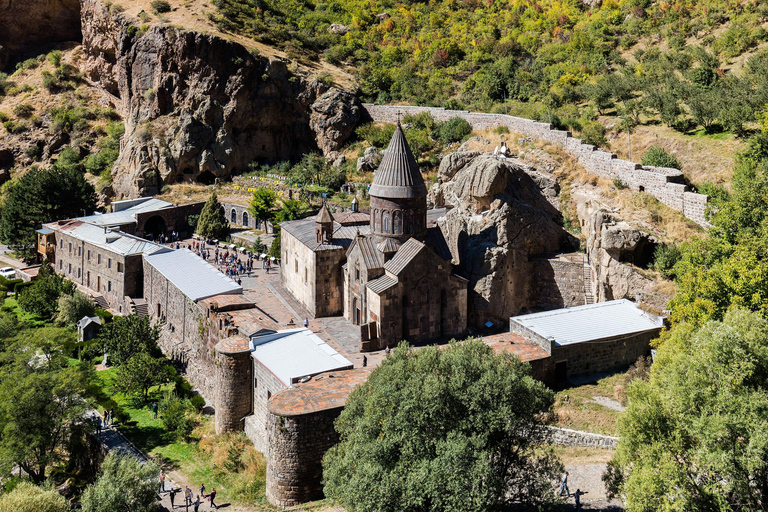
386	223
234	216
397	218
245	219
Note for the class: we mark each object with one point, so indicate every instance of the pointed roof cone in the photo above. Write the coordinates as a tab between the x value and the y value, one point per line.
324	215
398	176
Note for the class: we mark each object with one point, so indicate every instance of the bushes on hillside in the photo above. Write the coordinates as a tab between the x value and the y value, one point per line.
656	156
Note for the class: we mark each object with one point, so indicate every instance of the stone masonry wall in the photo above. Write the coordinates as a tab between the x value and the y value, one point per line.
265	384
568	437
294	460
233	390
666	185
240	210
603	355
559	283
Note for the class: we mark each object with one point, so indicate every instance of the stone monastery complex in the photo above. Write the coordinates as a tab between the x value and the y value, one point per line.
388	273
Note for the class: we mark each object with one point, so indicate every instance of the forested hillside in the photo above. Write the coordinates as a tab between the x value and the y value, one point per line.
668	62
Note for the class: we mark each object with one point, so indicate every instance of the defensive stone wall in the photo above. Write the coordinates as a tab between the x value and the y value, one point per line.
568	437
233	397
667	185
559	283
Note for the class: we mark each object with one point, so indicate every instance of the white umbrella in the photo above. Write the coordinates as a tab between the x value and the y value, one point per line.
232	246
241	249
272	258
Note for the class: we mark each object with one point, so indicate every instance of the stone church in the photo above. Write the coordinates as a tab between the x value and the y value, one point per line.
392	276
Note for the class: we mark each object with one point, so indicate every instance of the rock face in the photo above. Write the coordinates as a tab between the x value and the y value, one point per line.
500	218
197	107
611	244
31	22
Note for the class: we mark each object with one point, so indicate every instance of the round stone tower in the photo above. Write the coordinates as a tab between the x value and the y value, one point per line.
398	195
234	399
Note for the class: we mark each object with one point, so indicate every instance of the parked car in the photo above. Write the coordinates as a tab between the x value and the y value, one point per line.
8	272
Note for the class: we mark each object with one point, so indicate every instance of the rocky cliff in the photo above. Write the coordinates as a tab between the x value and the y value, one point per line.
197	107
499	219
25	23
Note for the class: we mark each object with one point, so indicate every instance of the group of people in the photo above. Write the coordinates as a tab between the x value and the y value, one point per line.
576	496
164	238
190	499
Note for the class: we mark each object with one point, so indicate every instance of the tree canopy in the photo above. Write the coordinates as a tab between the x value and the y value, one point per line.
127	336
443	429
42	195
124	485
264	205
693	436
28	497
212	222
41	298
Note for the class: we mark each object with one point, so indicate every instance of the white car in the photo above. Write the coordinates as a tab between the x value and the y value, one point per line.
8	272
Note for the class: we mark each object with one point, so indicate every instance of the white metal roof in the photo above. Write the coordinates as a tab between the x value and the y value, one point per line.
591	322
295	353
114	241
126	215
196	278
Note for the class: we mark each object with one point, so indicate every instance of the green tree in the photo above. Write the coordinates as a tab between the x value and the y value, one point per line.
41	298
74	307
212	222
693	436
138	374
656	156
125	484
443	429
39	407
291	210
264	205
127	336
42	195
27	497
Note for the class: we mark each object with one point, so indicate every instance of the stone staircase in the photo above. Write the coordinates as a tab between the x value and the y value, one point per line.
589	294
100	301
140	307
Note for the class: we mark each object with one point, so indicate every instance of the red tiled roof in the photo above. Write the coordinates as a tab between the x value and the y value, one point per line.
233	345
516	345
323	392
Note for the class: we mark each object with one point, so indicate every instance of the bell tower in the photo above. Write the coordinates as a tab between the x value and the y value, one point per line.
324	226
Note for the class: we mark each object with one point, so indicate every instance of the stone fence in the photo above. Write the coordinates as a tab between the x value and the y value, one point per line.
667	185
567	437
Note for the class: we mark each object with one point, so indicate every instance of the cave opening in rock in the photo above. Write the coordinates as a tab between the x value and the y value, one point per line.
642	255
206	178
154	226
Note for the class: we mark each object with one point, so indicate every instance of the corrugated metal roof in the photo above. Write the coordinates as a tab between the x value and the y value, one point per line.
381	284
304	231
113	241
126	216
295	353
599	321
398	175
196	278
404	256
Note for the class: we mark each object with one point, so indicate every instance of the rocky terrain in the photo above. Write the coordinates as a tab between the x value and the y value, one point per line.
499	219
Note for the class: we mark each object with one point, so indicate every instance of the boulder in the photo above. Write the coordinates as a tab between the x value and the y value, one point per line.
369	161
500	220
333	118
338	28
454	162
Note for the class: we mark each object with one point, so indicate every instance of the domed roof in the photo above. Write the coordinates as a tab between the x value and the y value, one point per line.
398	176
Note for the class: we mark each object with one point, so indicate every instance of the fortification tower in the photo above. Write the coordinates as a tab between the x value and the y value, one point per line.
398	195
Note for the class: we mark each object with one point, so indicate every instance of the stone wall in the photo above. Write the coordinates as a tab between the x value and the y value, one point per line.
233	390
242	217
175	219
559	283
265	384
181	338
294	459
603	355
667	185
568	437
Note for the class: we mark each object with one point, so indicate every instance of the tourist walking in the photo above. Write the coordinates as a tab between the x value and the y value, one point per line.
196	503
172	495
564	485
202	490
162	481
212	497
306	323
154	410
365	361
577	497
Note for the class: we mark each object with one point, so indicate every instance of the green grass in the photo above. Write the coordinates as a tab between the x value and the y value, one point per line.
25	317
149	434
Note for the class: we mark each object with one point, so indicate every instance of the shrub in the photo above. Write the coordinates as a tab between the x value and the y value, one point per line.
24	110
594	133
456	129
55	58
664	259
160	6
375	135
198	402
656	156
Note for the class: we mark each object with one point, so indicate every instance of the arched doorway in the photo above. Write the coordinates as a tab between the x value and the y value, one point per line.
206	178
233	216
245	219
155	225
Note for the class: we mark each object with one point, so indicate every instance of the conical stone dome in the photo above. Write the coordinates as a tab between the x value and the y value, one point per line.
398	176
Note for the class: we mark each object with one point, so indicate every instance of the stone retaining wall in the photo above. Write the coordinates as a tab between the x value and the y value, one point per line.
667	185
568	437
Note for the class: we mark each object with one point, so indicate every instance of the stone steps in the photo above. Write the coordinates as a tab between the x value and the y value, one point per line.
101	301
589	296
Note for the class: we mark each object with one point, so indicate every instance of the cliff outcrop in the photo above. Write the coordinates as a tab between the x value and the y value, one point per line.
25	23
198	107
499	219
